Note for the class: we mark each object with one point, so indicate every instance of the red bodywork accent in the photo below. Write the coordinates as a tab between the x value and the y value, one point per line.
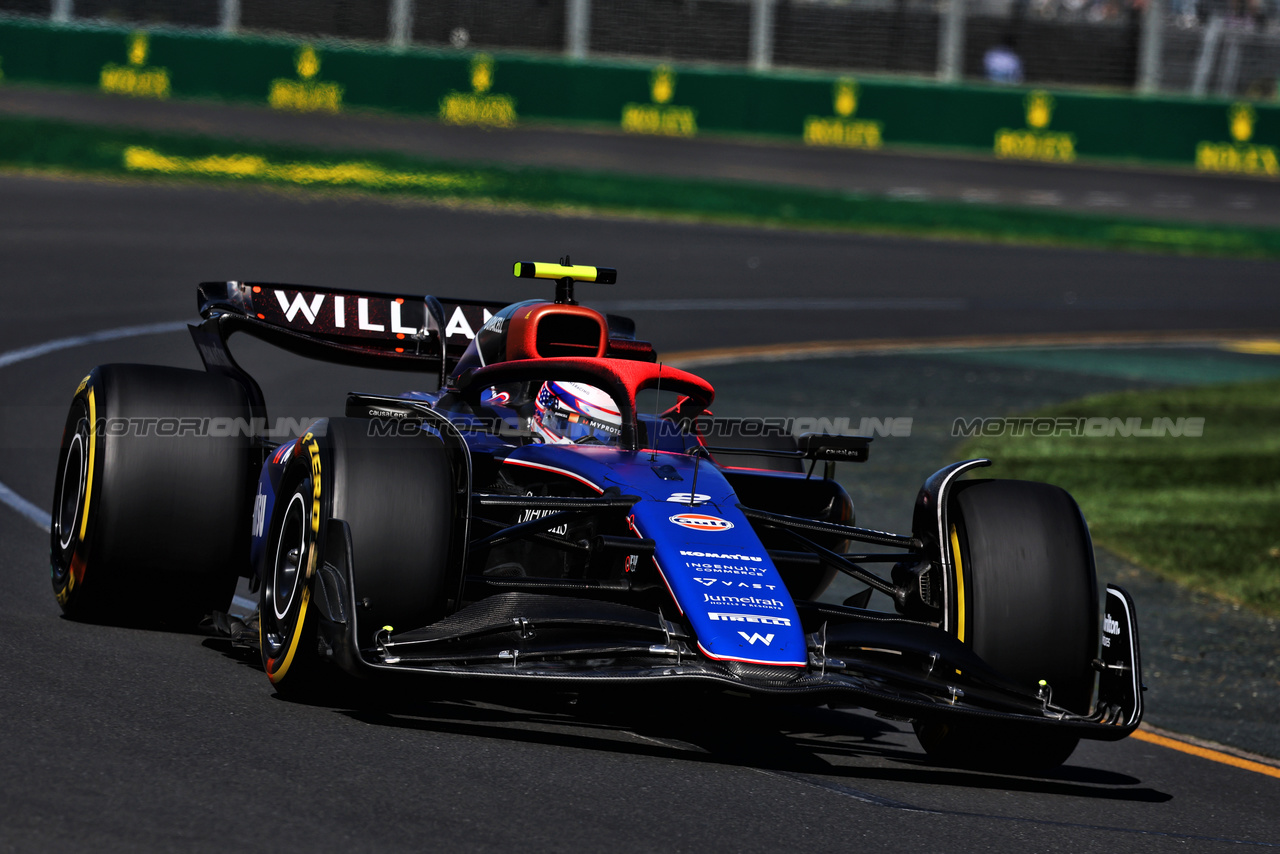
522	336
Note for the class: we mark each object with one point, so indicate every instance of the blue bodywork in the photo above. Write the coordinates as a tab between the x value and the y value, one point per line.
707	554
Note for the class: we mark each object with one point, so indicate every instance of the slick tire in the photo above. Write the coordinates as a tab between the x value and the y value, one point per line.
150	522
1027	602
396	495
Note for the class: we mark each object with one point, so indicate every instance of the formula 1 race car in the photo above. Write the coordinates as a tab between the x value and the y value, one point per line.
526	521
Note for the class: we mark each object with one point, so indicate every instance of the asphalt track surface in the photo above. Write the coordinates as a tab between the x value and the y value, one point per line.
122	739
1172	194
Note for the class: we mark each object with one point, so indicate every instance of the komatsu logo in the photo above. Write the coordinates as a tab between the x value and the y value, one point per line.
715	556
756	636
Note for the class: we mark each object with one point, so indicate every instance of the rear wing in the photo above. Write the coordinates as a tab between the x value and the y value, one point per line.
362	328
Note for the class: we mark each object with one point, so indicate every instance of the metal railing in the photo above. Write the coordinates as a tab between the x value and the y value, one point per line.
1225	48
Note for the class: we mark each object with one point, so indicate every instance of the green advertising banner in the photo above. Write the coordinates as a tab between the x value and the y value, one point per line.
505	90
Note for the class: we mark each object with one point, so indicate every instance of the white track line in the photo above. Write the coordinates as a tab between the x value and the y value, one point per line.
25	507
7	496
25	353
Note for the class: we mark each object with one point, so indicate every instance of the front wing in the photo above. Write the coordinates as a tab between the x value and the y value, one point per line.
896	667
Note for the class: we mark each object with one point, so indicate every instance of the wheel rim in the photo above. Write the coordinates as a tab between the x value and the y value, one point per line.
291	548
71	491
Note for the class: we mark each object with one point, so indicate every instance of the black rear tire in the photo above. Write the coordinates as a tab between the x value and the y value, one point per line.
152	499
395	492
1028	605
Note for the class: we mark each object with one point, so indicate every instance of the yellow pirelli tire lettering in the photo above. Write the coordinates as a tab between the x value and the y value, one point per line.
93	448
955	556
313	451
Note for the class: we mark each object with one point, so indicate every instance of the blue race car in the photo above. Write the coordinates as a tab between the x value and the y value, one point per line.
526	521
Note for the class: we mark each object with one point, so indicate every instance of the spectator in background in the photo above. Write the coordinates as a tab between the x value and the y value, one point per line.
1002	63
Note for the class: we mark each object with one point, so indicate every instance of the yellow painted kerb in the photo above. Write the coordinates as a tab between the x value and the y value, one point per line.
1206	753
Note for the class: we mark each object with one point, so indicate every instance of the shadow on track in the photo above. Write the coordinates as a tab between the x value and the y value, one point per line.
689	726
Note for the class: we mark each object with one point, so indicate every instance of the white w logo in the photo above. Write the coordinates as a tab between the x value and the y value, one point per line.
300	305
756	636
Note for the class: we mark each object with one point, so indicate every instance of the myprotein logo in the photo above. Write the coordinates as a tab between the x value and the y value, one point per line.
701	522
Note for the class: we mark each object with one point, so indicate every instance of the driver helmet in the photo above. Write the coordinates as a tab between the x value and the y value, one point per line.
568	412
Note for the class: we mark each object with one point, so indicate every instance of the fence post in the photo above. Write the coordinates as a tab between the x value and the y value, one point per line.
1151	50
400	24
229	16
61	11
577	28
1208	53
951	42
761	34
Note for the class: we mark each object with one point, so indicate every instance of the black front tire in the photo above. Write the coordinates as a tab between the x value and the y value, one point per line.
1027	602
153	496
395	492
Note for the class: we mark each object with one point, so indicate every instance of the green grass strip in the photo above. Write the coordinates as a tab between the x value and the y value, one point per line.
1202	511
54	145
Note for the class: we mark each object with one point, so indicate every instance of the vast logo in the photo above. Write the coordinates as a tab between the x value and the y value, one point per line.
756	636
701	522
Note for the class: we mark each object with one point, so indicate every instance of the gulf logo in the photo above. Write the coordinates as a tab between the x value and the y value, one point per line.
701	522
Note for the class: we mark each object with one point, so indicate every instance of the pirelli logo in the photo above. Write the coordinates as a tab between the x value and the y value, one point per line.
750	618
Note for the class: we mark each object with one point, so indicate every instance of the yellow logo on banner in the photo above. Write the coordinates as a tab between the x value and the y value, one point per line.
1039	109
842	129
660	117
478	107
1036	142
136	78
305	95
1242	118
1239	156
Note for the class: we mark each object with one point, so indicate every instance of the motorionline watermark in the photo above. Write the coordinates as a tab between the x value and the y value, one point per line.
718	429
1090	427
713	429
214	427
